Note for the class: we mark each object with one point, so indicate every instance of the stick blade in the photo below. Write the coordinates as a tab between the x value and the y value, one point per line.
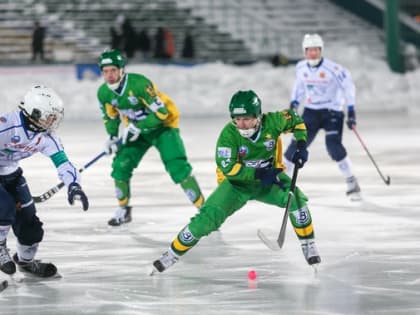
269	243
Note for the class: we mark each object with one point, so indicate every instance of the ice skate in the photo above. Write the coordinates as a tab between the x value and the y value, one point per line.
121	215
36	267
164	262
310	252
6	263
353	189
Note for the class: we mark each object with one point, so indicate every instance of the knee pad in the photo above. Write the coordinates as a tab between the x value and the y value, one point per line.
178	169
335	148
28	228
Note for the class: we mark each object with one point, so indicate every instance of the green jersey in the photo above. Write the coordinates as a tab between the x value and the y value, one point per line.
137	101
237	157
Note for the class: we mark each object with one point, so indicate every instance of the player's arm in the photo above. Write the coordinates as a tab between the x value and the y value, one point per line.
68	174
110	115
298	92
227	159
345	82
154	101
290	121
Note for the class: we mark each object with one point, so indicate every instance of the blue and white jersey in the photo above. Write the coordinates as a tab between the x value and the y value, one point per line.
326	86
17	143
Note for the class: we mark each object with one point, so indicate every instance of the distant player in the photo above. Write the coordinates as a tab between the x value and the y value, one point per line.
150	119
24	132
322	86
249	169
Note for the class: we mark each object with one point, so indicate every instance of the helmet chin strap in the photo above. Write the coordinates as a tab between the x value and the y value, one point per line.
116	85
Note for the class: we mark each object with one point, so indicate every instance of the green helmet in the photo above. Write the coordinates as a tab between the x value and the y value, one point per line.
244	103
111	58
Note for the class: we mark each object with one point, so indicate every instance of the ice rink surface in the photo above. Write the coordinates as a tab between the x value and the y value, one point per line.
370	249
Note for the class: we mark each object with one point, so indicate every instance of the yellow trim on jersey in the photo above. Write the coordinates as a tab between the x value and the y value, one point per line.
301	126
302	232
235	170
219	176
279	154
172	118
180	247
111	111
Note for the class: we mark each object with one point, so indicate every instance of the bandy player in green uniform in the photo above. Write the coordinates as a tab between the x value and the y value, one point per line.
150	118
248	157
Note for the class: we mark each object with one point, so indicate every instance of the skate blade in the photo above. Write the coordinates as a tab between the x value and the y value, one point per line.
355	197
28	277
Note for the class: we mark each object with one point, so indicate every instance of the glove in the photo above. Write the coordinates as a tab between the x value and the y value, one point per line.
301	154
111	145
75	192
268	176
130	133
351	117
294	105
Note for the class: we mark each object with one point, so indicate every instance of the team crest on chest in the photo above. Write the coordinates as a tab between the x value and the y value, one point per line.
15	139
243	150
269	144
132	99
114	102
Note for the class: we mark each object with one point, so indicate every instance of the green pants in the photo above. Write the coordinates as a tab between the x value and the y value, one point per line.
169	144
171	149
228	198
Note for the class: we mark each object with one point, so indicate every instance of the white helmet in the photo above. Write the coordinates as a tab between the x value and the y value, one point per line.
43	107
310	41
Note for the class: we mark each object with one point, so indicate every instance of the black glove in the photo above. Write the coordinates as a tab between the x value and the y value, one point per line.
301	154
351	118
294	105
75	192
268	176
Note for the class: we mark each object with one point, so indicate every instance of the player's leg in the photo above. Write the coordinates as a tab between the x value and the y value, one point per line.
172	152
312	119
28	230
299	215
7	217
221	204
125	162
333	122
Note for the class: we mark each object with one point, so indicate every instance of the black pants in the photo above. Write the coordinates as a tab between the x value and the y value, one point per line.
18	209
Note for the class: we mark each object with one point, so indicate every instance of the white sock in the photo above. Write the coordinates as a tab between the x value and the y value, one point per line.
345	167
26	253
4	230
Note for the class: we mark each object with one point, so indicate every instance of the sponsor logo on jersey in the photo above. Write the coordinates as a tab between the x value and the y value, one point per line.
243	150
322	75
305	75
269	144
3	119
224	152
15	139
132	99
259	163
114	102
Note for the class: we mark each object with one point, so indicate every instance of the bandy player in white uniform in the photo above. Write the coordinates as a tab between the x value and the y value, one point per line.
24	132
322	85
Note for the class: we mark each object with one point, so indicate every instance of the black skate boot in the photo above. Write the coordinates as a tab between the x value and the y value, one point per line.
36	267
121	215
164	262
6	263
310	251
